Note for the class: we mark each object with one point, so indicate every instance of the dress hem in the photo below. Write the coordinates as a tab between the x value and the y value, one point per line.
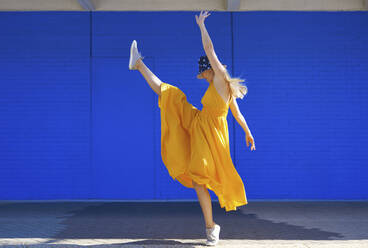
229	205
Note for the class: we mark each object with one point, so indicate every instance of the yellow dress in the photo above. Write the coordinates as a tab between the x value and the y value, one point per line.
195	144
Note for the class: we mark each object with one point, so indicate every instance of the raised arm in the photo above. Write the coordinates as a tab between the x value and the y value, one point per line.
219	69
216	65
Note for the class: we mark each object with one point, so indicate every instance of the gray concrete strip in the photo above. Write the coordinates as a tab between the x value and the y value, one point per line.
180	224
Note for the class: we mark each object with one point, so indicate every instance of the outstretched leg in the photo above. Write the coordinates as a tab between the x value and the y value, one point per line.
205	202
153	81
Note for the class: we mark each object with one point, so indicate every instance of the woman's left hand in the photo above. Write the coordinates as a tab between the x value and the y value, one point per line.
249	139
202	17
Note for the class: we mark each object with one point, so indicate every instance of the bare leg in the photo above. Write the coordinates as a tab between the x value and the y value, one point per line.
205	202
153	81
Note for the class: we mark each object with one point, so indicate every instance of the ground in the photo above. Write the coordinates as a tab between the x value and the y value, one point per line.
180	224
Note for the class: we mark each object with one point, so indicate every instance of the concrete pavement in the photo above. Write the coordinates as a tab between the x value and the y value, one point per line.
180	224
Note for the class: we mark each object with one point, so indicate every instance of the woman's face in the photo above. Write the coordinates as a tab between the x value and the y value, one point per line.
207	74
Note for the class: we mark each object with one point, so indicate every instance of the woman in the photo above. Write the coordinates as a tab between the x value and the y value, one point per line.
195	143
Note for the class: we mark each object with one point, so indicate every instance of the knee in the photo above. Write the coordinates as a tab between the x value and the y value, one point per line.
197	186
159	89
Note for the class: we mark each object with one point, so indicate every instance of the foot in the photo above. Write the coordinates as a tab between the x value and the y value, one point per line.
213	235
134	56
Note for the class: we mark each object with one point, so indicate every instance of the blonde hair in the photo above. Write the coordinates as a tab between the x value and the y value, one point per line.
237	89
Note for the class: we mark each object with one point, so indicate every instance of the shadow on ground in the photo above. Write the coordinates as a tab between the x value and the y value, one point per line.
161	223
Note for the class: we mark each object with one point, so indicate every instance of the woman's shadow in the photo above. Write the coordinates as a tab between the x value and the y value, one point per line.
162	223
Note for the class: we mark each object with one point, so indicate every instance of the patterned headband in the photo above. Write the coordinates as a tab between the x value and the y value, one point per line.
203	64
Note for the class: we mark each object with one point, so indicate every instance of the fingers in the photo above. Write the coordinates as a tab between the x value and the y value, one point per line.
204	14
253	147
251	140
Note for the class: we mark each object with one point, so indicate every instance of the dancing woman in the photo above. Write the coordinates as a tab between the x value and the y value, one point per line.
195	143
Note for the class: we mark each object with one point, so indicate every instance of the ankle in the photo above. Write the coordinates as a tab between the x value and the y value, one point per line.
137	64
211	225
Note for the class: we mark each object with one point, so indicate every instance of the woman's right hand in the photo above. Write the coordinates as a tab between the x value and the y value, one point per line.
202	17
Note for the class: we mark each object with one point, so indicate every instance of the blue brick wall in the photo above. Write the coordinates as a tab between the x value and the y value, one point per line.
77	124
307	103
45	105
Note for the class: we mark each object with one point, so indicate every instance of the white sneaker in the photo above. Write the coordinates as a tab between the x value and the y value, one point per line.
134	56
213	235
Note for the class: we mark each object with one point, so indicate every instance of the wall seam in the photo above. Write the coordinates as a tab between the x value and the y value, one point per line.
92	177
232	73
